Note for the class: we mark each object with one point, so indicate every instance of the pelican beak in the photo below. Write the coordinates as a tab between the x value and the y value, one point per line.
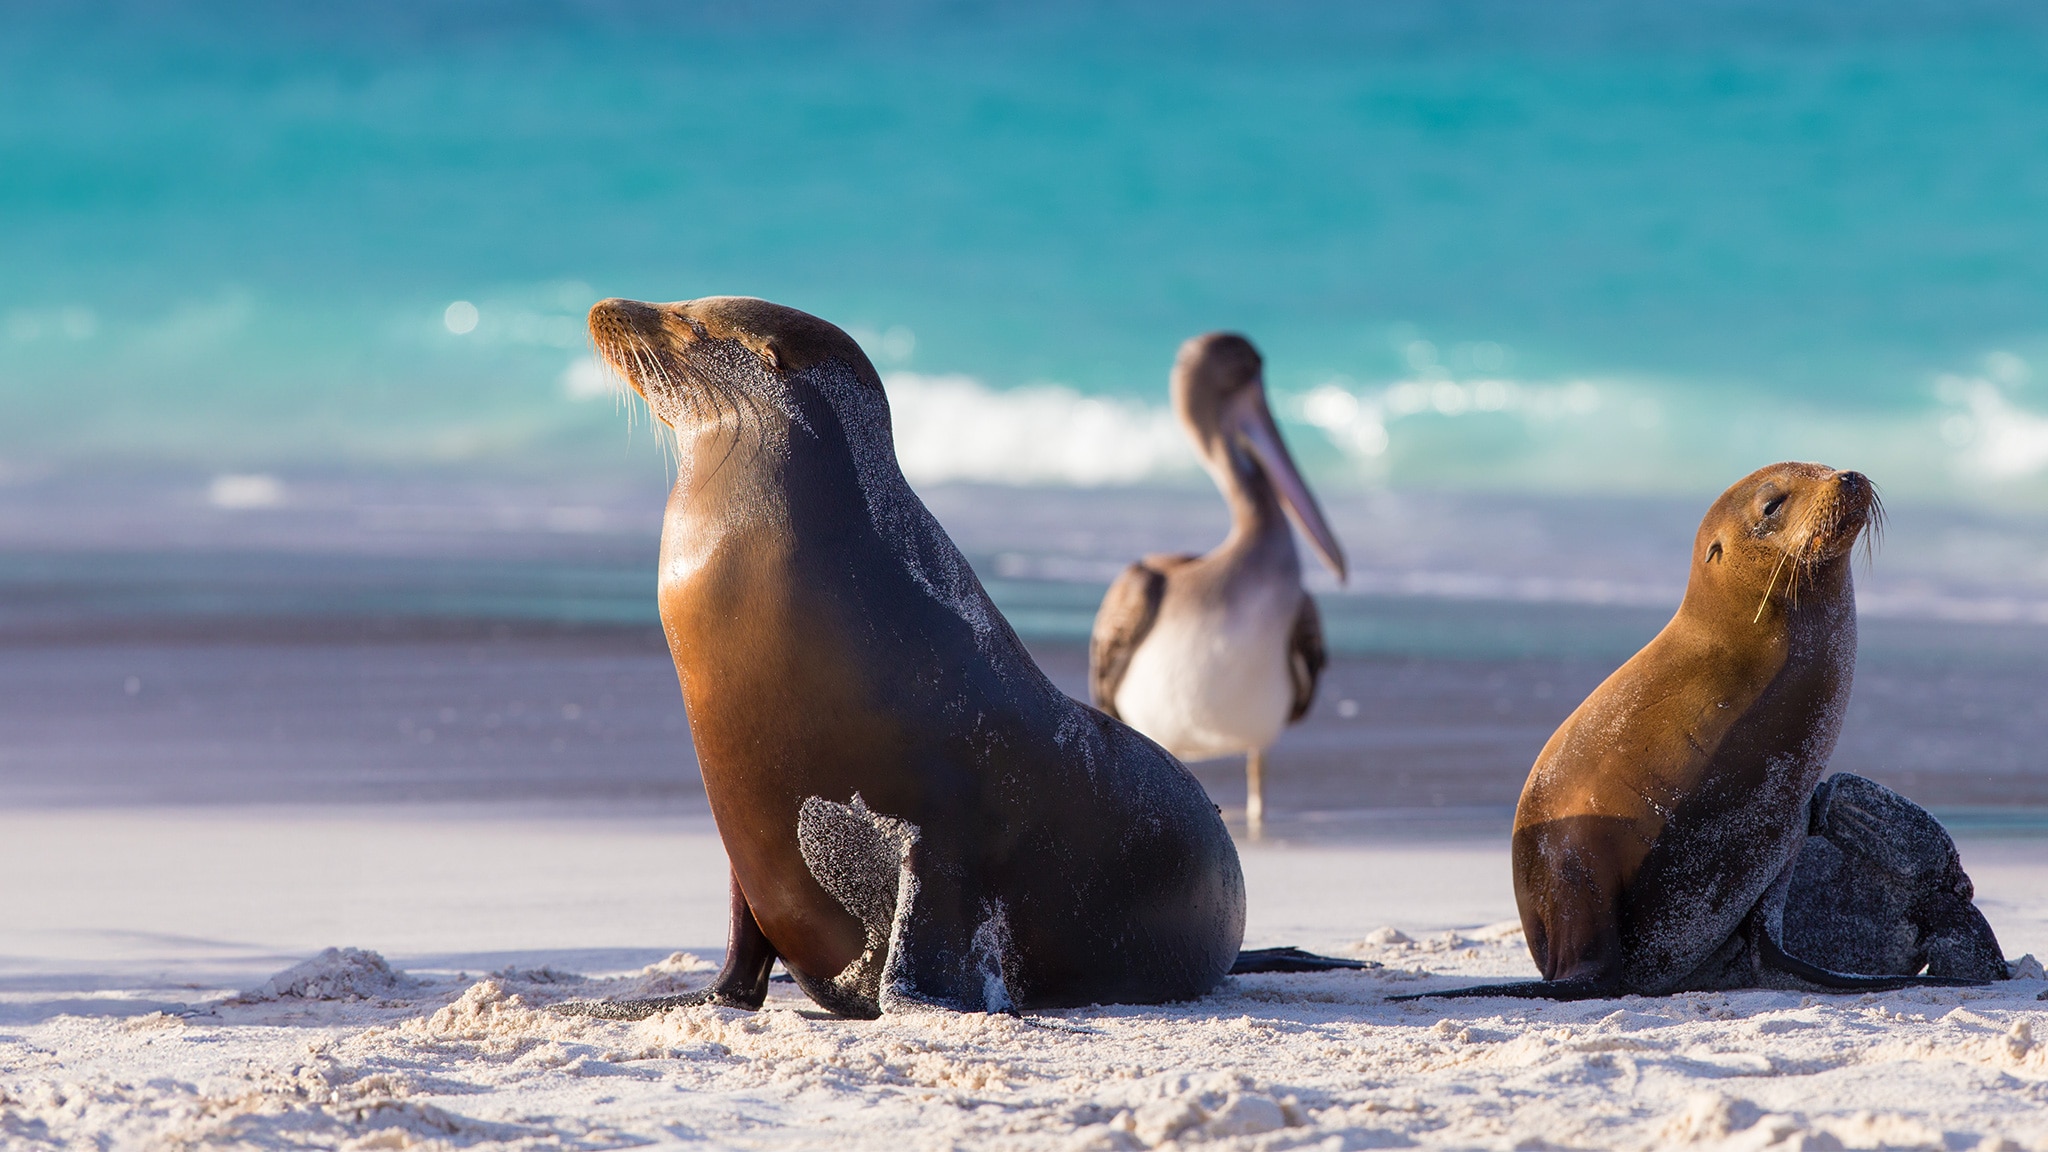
1252	420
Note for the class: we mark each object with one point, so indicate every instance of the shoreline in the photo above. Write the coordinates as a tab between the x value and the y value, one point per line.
136	933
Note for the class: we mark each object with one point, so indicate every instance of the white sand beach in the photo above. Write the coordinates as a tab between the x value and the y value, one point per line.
137	1010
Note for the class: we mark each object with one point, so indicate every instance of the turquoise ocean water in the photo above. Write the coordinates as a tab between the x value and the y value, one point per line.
1580	247
300	435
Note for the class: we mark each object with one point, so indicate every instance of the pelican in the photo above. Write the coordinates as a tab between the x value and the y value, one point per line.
1213	655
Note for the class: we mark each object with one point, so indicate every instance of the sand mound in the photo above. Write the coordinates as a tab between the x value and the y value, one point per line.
336	974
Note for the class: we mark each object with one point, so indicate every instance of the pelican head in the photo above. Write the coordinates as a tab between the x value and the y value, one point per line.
1219	391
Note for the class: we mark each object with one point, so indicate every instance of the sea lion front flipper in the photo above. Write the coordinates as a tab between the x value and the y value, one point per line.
927	947
741	983
861	858
636	1009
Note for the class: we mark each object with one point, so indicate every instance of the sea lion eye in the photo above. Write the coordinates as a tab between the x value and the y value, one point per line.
1771	508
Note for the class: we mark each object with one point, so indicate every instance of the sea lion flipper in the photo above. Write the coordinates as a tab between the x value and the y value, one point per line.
742	982
856	854
927	948
1288	958
651	1006
948	950
749	959
1524	990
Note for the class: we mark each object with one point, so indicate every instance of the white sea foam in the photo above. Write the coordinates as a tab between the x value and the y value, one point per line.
956	428
245	490
1362	421
1994	438
586	378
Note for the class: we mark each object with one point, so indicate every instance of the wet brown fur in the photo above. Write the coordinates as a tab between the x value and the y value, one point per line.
813	666
1659	811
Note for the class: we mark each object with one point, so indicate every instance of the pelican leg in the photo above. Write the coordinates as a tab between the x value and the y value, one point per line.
1255	789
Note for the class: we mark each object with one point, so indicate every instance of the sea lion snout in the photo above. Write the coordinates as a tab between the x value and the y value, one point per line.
1843	507
704	357
636	340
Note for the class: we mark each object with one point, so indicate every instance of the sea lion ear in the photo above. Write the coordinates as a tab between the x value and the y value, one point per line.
1714	553
771	355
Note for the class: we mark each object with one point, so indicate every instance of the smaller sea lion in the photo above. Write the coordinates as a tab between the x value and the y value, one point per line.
1656	840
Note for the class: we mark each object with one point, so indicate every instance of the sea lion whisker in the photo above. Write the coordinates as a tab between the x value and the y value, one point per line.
1758	618
655	376
1873	527
643	372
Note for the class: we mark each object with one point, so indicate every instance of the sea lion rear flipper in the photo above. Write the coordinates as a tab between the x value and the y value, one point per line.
1580	989
1288	958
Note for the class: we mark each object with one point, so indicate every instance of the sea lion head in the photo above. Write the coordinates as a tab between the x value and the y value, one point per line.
1774	531
722	360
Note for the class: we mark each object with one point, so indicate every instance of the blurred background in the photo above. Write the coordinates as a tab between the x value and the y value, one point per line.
310	488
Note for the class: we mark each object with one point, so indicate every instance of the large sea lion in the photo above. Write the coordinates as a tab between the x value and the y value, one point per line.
1655	842
914	814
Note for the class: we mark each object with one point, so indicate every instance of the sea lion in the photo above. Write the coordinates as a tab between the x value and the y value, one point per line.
914	814
1655	842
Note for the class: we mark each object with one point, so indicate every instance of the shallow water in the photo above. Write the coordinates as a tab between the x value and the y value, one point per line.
436	641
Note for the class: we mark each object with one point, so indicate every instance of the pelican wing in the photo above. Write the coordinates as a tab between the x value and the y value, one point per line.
1128	611
1306	656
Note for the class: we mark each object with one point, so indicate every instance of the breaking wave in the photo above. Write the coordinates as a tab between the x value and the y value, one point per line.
954	428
